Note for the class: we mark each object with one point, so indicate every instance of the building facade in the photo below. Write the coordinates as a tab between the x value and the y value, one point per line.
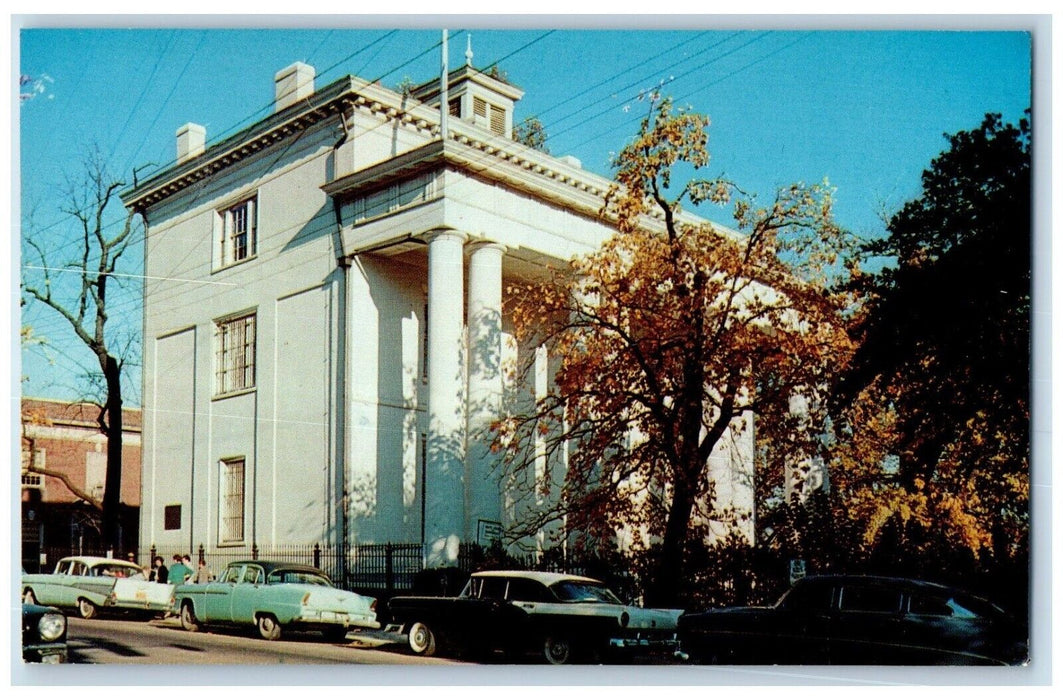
325	341
64	440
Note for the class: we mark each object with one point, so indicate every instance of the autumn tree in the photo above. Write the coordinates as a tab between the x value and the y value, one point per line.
934	411
672	334
70	270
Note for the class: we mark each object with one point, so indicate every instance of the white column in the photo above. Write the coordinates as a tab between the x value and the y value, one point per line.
485	386
444	480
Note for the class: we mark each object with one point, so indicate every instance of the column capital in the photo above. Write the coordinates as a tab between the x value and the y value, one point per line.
451	234
479	245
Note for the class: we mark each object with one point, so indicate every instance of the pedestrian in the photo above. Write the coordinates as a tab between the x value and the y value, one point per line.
203	574
159	572
179	573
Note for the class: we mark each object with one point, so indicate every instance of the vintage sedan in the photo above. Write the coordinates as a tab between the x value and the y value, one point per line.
43	634
274	596
858	620
94	584
560	617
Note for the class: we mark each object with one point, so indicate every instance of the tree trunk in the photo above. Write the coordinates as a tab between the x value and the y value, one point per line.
112	491
663	591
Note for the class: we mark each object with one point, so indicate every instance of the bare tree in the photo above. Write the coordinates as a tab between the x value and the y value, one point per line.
87	259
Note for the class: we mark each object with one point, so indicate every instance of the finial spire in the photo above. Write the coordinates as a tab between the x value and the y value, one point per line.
468	51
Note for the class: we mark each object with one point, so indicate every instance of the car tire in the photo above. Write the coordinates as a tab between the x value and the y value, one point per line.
188	618
29	597
87	609
422	639
557	650
269	628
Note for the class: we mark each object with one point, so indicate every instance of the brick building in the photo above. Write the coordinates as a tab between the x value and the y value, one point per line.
65	438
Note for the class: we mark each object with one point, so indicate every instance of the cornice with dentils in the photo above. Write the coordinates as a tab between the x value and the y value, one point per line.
470	147
340	96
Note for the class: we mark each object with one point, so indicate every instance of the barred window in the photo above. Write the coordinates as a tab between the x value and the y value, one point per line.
235	354
232	500
239	233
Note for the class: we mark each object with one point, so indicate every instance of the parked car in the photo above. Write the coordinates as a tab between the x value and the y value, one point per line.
274	596
858	620
563	618
43	634
92	584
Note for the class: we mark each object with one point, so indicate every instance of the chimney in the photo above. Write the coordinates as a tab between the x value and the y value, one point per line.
191	141
292	84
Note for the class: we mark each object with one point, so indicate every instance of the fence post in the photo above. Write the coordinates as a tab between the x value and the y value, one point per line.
317	555
389	571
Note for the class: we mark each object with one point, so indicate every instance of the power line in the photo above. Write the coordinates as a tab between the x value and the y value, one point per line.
542	36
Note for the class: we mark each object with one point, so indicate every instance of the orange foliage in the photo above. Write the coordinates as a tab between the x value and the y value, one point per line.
670	333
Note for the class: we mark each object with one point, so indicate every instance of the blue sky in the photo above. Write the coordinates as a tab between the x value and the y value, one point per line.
865	109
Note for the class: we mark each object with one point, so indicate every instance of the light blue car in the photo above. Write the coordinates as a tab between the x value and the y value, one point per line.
95	584
274	596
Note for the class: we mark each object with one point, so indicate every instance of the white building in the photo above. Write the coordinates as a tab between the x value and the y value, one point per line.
323	327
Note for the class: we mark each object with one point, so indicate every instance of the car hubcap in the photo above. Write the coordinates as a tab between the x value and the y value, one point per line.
557	651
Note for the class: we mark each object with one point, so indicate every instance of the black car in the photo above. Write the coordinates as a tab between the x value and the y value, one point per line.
558	617
43	634
858	620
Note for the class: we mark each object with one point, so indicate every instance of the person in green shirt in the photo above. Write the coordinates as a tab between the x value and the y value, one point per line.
179	573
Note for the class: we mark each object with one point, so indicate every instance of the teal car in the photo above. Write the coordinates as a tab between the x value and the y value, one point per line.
273	597
94	584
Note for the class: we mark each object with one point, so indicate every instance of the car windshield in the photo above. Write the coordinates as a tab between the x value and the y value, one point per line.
583	592
118	571
291	576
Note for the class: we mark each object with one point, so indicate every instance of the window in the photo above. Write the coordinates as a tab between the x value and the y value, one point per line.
493	589
454	107
235	355
95	473
528	591
253	574
808	596
171	518
232	500
870	599
392	198
33	480
239	232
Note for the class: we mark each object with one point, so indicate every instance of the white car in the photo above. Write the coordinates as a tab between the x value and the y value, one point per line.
92	584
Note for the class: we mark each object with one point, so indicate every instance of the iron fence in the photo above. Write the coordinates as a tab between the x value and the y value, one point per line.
384	570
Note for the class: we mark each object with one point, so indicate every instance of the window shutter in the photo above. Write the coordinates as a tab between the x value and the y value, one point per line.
498	120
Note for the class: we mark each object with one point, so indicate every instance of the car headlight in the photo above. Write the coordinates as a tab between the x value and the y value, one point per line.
51	626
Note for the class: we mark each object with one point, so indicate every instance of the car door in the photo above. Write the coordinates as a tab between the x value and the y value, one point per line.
516	619
217	595
797	631
485	613
55	588
868	627
246	594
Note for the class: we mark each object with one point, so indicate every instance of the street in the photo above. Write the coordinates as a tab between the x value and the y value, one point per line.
121	641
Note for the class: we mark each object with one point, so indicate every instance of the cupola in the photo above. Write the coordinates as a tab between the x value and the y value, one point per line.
481	98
